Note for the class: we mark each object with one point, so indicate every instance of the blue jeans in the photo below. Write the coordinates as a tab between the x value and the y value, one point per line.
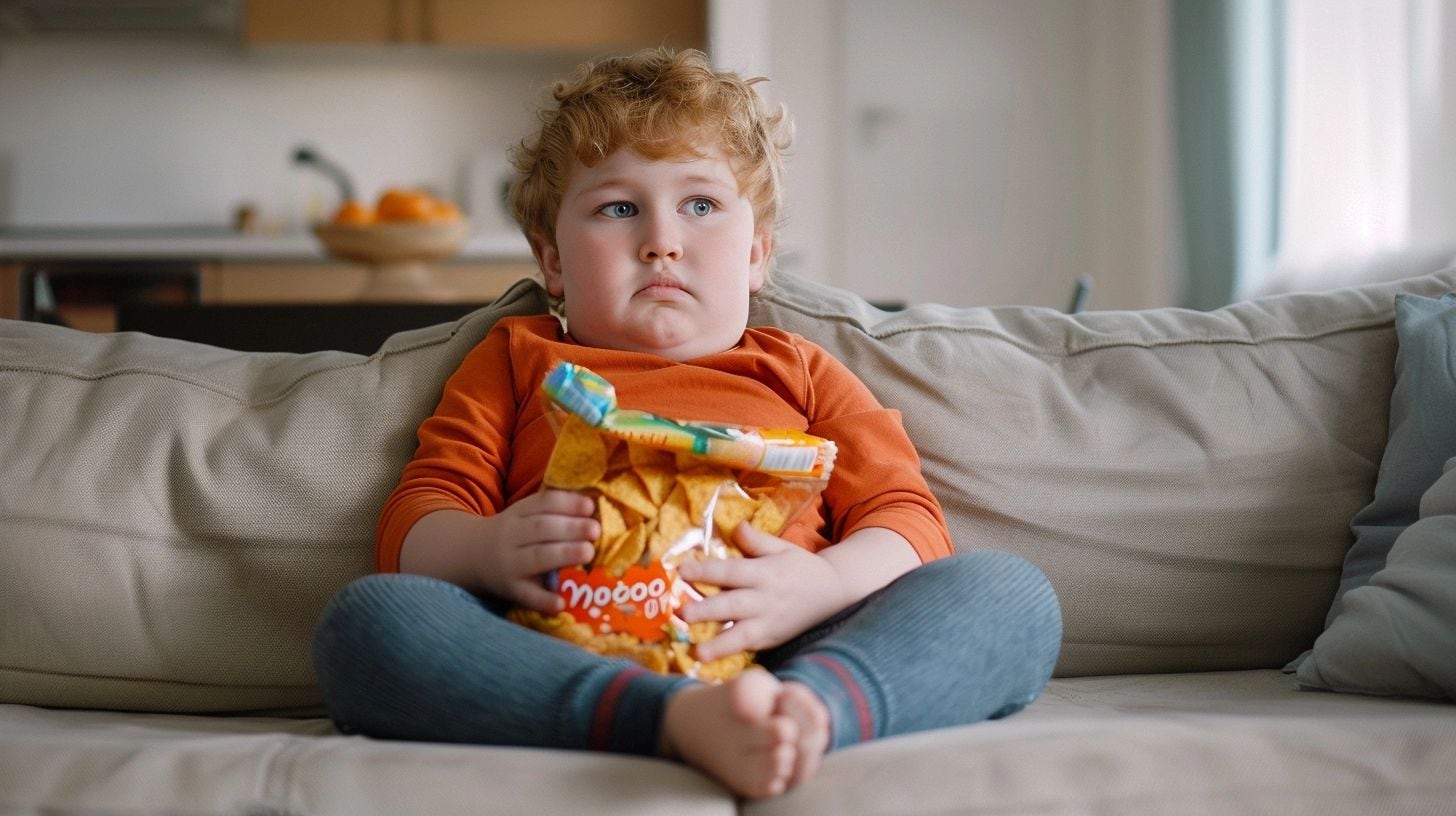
956	641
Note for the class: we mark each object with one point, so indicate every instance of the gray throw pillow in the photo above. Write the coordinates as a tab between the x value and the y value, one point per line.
1397	634
1422	437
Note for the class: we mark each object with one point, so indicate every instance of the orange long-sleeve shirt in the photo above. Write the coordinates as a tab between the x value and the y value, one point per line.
488	441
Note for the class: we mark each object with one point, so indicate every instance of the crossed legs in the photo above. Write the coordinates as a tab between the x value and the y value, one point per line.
408	657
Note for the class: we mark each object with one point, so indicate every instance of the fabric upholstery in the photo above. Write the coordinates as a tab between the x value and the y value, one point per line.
1186	479
175	515
1396	635
1202	744
99	763
1392	626
1205	744
1422	434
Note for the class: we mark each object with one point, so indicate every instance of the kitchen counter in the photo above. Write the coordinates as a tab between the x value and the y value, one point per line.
209	243
91	269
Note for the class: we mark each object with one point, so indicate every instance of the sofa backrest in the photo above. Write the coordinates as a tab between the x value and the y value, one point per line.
1186	479
173	516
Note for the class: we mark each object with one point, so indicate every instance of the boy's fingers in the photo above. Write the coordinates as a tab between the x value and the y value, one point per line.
755	542
734	639
533	596
540	558
725	572
545	529
570	528
565	502
725	606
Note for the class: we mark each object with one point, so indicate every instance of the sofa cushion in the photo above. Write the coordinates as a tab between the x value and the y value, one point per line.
1186	479
1199	744
1420	438
106	763
1422	434
1208	744
1392	626
174	516
1396	635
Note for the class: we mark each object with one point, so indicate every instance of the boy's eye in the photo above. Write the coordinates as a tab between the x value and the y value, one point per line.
700	206
619	209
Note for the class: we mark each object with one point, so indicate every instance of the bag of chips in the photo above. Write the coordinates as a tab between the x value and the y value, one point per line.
666	491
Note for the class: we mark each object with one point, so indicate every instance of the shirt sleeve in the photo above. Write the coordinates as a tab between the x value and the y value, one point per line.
463	452
877	480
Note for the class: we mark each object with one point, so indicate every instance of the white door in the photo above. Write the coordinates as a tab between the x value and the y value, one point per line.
994	150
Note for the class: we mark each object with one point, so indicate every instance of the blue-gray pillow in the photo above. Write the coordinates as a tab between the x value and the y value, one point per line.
1422	437
1397	634
1422	434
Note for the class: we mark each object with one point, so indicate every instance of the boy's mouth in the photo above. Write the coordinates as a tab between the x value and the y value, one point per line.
663	285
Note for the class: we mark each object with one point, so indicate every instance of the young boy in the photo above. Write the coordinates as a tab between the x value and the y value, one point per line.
649	197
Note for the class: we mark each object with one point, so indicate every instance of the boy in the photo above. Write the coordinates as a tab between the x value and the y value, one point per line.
649	198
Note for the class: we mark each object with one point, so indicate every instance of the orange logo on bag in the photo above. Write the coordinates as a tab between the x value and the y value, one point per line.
638	603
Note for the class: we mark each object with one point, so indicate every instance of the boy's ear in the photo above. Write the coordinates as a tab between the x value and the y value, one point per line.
548	259
758	257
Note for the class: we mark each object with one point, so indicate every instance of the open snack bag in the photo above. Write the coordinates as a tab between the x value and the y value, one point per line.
666	491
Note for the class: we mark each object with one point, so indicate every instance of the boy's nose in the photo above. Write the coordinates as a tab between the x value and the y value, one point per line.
660	243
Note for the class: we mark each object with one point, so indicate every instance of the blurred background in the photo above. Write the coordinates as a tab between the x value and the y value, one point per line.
1175	152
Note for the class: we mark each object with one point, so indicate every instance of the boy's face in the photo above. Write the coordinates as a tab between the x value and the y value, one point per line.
655	256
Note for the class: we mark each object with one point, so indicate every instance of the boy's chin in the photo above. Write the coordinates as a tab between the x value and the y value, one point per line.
673	333
687	342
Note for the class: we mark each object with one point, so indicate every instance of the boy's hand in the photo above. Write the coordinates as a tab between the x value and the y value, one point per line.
773	595
540	533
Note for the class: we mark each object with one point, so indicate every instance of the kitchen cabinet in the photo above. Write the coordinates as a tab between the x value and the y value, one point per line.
89	271
230	282
265	282
330	21
540	25
9	290
568	24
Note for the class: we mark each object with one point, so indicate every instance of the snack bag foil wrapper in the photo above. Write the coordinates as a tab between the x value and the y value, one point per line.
667	491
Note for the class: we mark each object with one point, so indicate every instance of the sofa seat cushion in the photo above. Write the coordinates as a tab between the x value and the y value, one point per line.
1206	744
1215	743
104	763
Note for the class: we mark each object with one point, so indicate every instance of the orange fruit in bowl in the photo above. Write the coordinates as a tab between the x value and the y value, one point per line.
402	204
353	213
446	211
399	204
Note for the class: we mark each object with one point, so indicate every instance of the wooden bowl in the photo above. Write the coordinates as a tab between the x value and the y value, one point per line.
393	242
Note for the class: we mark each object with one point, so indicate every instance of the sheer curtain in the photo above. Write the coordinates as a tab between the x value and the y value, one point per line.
1347	137
1315	142
1365	154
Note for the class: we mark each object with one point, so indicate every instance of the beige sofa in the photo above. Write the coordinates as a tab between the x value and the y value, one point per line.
173	516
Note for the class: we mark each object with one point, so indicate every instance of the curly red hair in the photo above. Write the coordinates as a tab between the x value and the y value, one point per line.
658	103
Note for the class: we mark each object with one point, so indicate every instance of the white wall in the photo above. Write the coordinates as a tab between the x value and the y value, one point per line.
797	46
166	131
972	151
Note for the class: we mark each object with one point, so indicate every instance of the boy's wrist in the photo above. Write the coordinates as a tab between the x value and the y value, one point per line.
868	559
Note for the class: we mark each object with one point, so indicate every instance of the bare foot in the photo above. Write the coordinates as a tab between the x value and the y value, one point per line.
736	733
800	704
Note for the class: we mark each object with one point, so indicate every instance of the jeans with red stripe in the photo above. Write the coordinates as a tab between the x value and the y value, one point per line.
957	641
